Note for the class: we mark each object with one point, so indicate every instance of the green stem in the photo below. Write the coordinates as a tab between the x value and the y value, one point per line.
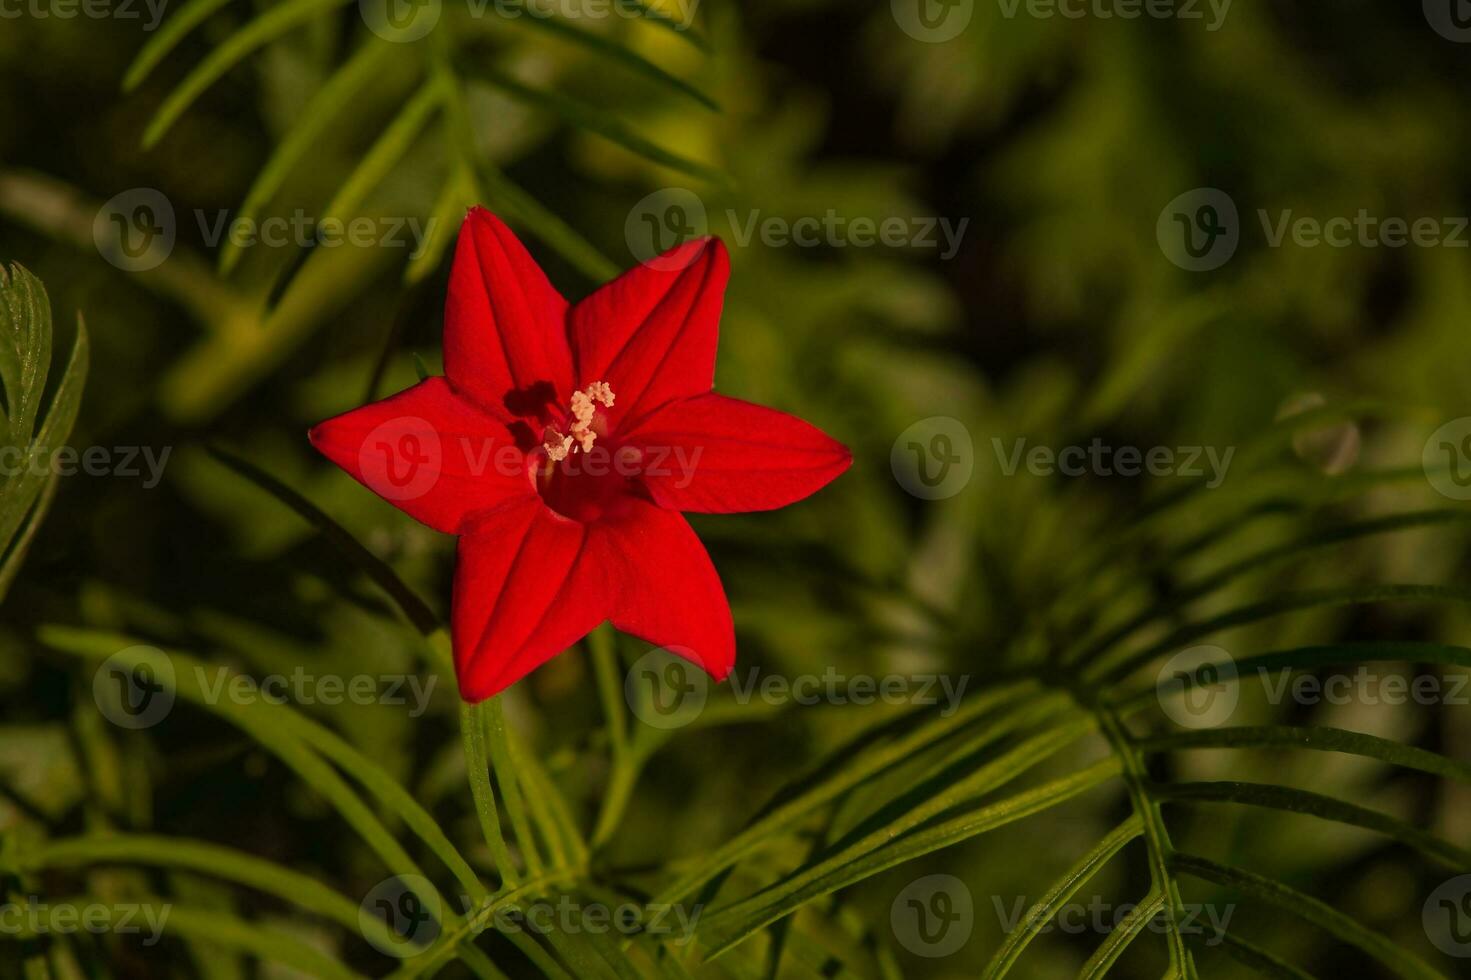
478	767
498	739
624	768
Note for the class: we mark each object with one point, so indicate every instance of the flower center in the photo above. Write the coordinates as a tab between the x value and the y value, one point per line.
582	478
580	434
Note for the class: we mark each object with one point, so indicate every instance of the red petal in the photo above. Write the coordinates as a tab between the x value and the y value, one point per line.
525	590
430	453
717	455
651	333
665	590
504	324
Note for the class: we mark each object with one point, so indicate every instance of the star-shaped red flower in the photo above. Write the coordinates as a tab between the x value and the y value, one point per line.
561	447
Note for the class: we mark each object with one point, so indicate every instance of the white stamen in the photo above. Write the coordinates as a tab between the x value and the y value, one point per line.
584	407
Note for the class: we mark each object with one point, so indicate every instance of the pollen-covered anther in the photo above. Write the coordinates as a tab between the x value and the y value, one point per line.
584	406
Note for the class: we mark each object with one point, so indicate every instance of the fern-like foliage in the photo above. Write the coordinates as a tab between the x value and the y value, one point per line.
1051	725
28	436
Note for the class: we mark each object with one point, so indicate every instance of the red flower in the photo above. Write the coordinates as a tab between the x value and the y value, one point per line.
561	447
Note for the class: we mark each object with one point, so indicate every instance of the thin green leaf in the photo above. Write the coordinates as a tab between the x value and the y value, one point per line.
600	122
377	570
1304	544
1063	889
905	839
1313	804
14	555
1156	839
1316	738
455	199
271	24
477	764
1399	960
226	863
1305	658
849	766
497	739
386	151
20	491
167	37
608	48
326	106
1123	934
1263	962
512	201
296	740
1279	605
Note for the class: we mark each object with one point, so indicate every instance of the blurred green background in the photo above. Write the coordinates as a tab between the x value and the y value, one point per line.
1059	318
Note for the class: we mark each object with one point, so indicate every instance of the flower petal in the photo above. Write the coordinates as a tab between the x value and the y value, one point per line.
651	333
432	454
664	588
717	455
505	326
525	590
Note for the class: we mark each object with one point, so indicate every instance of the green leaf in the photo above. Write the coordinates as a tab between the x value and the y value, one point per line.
1063	889
1316	738
386	151
377	570
226	863
1313	804
297	741
497	739
1399	960
1123	934
167	37
1304	544
1263	962
1114	668
268	26
600	122
326	106
221	929
847	767
25	358
477	764
608	48
907	837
